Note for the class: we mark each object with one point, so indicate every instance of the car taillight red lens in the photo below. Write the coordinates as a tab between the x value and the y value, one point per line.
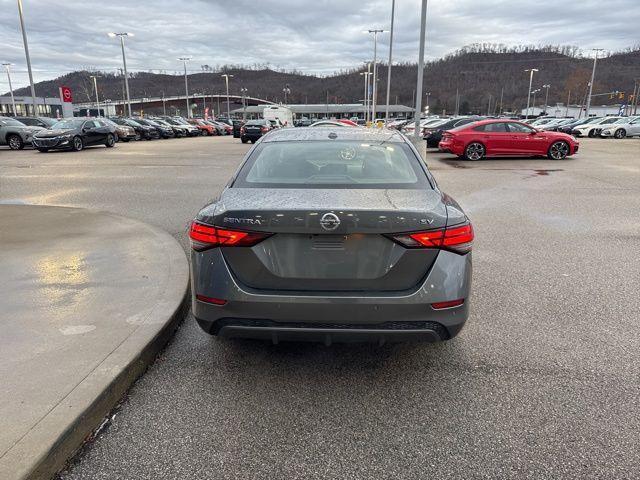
211	300
457	238
241	129
206	236
448	304
264	129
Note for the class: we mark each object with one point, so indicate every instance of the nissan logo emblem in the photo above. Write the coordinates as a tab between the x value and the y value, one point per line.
329	221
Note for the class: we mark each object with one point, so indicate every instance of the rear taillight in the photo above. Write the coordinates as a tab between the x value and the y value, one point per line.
458	238
241	130
264	129
206	236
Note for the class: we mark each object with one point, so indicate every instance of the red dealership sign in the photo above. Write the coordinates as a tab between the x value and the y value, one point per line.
65	94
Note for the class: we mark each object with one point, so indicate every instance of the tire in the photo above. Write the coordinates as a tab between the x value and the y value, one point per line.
474	151
110	142
77	144
125	139
138	137
592	133
15	142
244	140
558	150
620	133
43	150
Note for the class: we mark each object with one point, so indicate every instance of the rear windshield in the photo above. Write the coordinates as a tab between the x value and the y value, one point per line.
334	164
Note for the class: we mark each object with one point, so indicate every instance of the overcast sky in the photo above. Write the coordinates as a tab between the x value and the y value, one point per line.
316	36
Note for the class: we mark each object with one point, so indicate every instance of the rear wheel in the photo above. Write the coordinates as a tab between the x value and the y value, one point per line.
474	151
592	133
110	142
558	150
15	142
77	144
244	140
620	133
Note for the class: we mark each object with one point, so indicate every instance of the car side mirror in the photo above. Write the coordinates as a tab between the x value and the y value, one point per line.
534	132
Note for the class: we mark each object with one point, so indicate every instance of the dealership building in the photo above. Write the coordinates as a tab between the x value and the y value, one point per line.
46	107
329	110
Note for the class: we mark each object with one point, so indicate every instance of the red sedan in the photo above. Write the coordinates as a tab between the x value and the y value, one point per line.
510	138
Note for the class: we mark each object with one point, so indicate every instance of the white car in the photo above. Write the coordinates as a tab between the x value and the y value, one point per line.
428	122
593	129
625	127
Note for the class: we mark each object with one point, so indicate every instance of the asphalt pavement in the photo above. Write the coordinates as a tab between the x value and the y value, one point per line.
542	383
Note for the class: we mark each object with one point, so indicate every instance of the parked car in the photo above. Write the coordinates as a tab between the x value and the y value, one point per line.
124	133
192	130
142	131
254	129
163	131
558	122
624	127
224	127
567	128
205	128
44	122
16	134
593	129
433	134
490	138
75	134
409	127
179	130
325	236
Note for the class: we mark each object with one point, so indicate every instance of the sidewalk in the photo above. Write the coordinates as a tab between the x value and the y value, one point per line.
87	300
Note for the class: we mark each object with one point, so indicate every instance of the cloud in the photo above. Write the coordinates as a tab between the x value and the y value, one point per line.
315	36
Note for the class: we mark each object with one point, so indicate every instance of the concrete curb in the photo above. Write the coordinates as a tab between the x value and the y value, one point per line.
45	449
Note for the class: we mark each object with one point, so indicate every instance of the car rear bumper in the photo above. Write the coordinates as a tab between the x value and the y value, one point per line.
450	146
331	316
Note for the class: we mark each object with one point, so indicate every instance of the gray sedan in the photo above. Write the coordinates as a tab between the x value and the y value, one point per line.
16	134
332	234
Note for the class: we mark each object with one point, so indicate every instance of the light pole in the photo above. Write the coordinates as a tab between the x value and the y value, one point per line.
184	61
593	74
386	112
286	90
13	100
244	91
95	87
164	105
426	108
226	81
365	99
375	71
124	62
546	98
26	54
534	100
423	27
531	72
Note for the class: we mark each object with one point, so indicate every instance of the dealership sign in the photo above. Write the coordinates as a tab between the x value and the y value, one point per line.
65	94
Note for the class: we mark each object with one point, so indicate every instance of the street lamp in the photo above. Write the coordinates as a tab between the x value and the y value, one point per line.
286	90
374	101
26	54
365	101
124	62
531	72
418	108
244	91
13	100
95	86
184	61
593	74
546	98
534	101
226	81
426	108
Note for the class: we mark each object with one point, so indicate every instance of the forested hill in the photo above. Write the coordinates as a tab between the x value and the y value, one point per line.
478	71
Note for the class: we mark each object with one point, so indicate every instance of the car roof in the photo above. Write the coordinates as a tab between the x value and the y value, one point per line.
341	133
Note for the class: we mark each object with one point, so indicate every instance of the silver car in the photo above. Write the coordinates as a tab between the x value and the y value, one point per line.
16	134
332	234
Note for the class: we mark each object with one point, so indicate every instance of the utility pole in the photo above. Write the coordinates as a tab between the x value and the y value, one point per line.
386	112
124	63
489	106
593	75
418	107
95	86
534	99
164	105
501	95
226	81
375	71
244	91
566	111
26	54
365	98
546	98
184	61
13	100
531	72
286	90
